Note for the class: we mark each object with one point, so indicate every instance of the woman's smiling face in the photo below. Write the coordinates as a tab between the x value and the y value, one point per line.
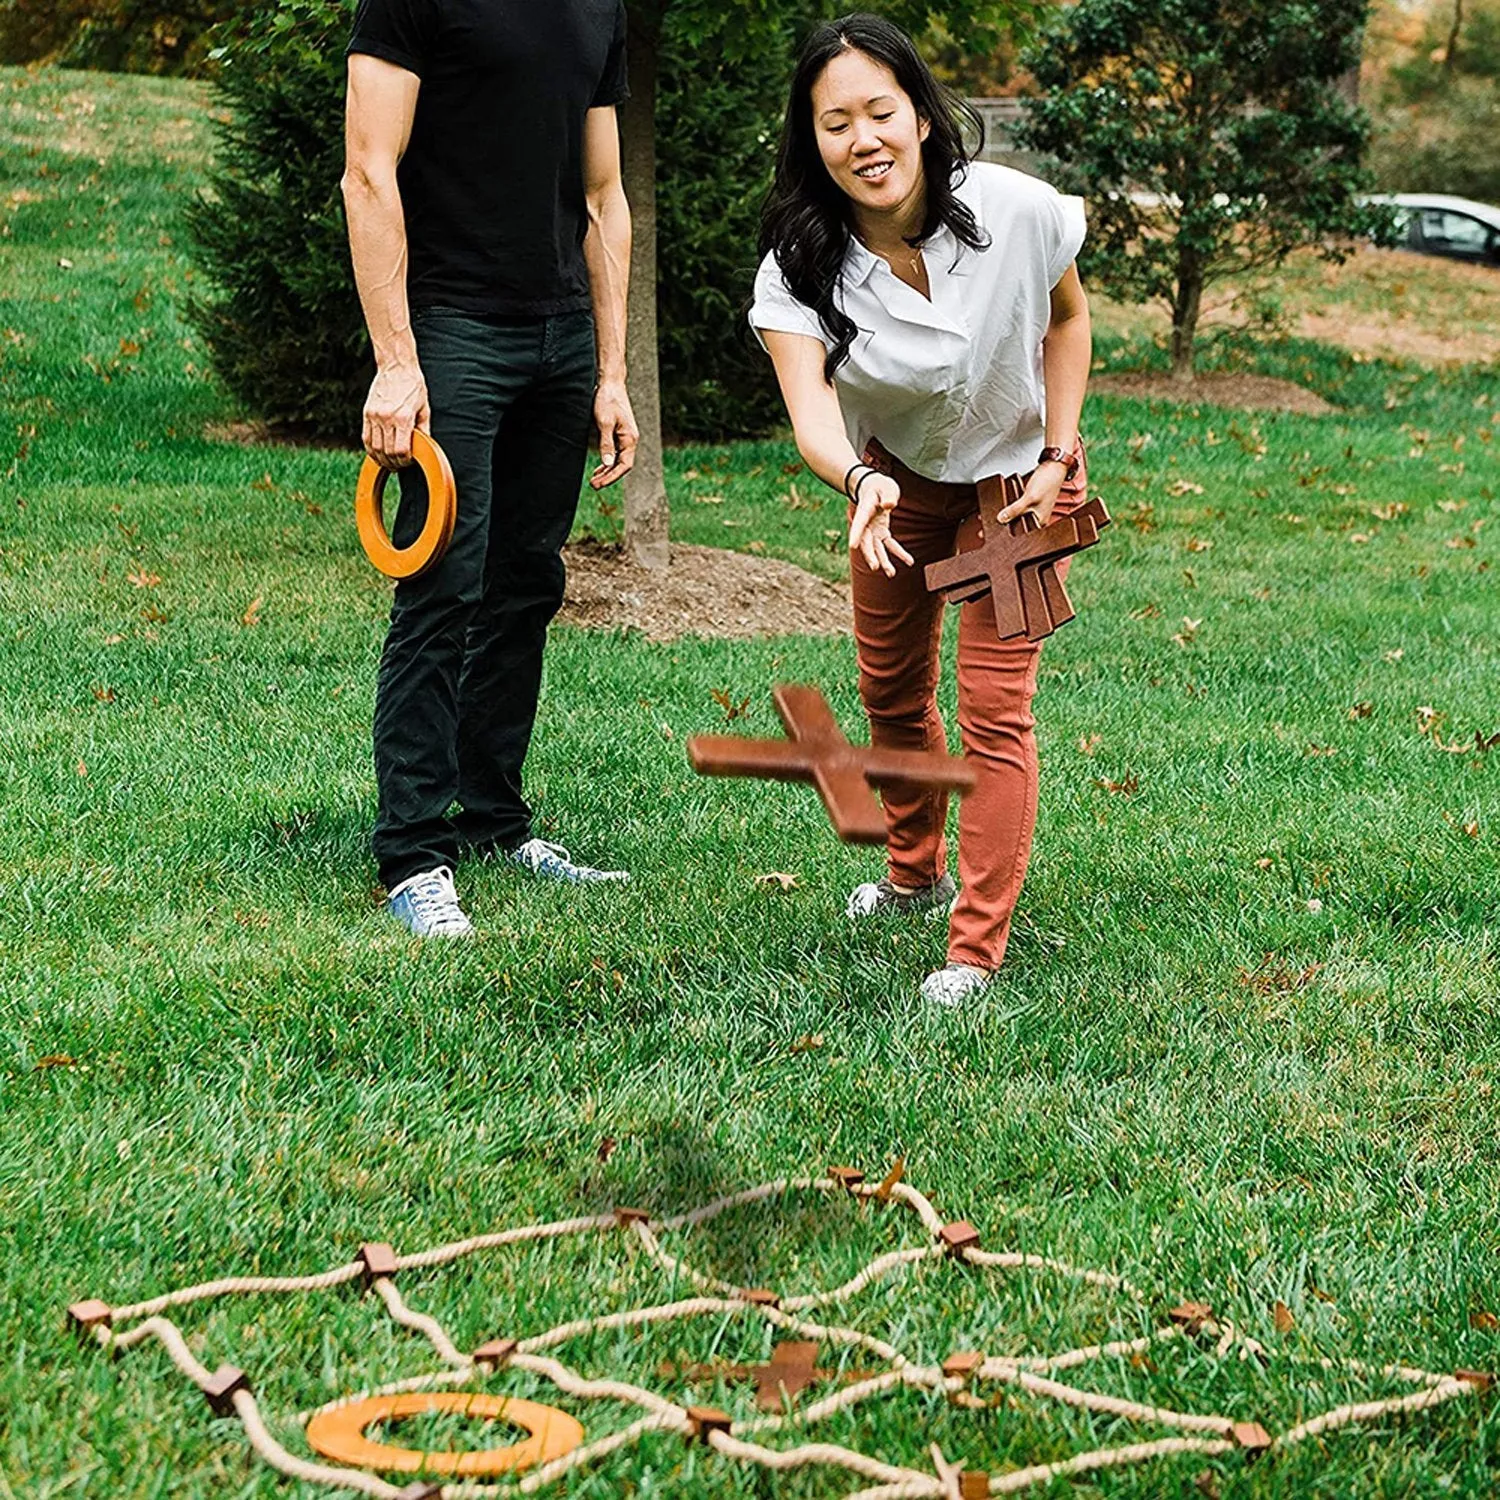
869	133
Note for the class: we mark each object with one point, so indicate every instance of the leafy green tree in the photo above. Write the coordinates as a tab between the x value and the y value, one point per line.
1437	117
283	321
1211	138
136	36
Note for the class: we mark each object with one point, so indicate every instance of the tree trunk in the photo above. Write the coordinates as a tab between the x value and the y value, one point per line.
1450	53
1185	308
646	507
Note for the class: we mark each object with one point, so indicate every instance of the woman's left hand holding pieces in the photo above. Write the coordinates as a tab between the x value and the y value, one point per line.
1040	496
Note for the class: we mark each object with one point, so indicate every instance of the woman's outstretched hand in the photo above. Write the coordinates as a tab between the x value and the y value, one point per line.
870	526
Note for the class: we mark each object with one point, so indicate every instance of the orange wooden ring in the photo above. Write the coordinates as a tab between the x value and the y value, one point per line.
340	1434
437	530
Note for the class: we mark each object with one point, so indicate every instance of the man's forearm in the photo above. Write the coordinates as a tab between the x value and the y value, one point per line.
377	246
606	251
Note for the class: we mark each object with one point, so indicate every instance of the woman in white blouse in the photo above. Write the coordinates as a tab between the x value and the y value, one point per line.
929	330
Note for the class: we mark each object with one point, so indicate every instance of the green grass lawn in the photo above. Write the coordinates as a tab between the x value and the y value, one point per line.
1244	1047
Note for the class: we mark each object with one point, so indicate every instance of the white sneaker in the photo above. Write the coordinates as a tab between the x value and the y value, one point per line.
953	985
427	905
881	896
553	862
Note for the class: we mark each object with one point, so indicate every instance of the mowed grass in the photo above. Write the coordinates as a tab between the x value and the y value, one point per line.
1244	1048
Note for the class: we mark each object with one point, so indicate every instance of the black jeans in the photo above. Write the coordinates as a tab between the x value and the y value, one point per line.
512	401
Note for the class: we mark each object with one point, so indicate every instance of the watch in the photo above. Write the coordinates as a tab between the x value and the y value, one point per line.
1059	456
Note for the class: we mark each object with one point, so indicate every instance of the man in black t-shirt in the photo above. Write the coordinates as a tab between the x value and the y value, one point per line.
491	245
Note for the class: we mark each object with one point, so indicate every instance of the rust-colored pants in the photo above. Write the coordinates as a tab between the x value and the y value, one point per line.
898	626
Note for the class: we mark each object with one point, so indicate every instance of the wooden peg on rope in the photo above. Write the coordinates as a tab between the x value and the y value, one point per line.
494	1354
421	1489
959	1237
625	1217
847	1178
1481	1380
706	1421
759	1296
1252	1437
379	1260
84	1317
963	1365
816	750
222	1386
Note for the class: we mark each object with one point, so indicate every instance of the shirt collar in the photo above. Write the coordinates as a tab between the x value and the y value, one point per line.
943	248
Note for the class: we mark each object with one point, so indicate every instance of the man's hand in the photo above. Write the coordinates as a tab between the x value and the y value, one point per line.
618	434
870	525
1040	495
397	403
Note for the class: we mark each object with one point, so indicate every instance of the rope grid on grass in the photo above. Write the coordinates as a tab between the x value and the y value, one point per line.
229	1391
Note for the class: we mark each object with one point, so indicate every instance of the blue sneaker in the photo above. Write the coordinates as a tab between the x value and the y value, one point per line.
427	906
553	862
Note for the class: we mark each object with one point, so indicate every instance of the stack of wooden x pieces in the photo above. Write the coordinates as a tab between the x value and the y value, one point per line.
1018	564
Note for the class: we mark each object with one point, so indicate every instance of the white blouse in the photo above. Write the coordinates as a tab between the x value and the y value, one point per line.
952	386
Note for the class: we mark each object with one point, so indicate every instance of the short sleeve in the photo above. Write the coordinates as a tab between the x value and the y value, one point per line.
1063	229
614	87
775	310
397	31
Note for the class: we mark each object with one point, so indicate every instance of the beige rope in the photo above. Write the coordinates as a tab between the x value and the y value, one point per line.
420	1323
1011	1260
664	1313
1110	1406
237	1285
1369	1411
260	1439
873	1272
892	1482
445	1254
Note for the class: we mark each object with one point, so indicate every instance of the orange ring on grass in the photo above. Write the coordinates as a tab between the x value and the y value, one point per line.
437	530
340	1434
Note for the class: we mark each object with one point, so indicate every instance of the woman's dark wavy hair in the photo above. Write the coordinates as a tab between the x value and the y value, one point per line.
805	223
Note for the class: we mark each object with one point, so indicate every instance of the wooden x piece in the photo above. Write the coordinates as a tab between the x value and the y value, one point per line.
1017	565
817	751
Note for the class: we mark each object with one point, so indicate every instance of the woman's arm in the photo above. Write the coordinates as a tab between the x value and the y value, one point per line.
1067	353
822	440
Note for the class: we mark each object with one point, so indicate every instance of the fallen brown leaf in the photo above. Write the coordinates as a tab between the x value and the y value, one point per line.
251	617
105	694
809	1043
1362	709
606	1148
1130	785
1281	1315
778	878
732	710
1484	1321
142	579
891	1178
1088	743
55	1060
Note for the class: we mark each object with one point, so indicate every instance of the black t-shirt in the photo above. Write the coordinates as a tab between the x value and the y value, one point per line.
492	179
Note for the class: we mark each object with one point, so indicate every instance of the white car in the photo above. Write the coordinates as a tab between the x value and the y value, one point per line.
1437	224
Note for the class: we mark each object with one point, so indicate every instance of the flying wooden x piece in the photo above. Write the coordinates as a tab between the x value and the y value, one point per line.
1017	564
817	751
